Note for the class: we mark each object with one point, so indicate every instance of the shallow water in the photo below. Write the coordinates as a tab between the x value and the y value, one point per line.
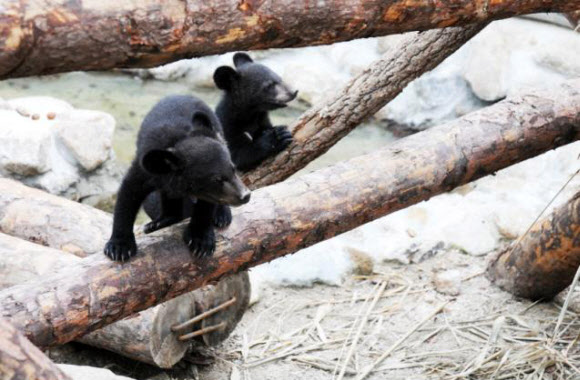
129	98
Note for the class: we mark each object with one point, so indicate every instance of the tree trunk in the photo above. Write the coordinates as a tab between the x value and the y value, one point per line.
51	37
295	214
574	18
20	360
323	126
146	336
543	262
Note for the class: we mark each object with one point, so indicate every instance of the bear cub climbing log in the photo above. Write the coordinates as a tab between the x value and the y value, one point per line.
181	154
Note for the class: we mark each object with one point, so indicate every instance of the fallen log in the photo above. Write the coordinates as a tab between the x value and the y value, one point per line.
146	336
20	360
542	263
292	215
324	125
39	38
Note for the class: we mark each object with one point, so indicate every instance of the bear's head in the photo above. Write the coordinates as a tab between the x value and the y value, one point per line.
252	85
198	166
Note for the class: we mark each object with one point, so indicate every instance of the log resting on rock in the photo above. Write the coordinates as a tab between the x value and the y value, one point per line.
295	214
47	37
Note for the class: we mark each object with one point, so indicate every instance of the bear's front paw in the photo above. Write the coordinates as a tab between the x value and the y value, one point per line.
158	224
121	249
283	137
223	216
200	242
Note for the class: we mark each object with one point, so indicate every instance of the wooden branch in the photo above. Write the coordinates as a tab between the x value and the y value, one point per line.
295	214
20	360
323	126
574	18
51	37
543	262
145	336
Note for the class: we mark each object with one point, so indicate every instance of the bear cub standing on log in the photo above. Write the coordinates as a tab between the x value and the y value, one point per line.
251	90
182	156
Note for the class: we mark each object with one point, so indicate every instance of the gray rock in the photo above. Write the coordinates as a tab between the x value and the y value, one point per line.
88	135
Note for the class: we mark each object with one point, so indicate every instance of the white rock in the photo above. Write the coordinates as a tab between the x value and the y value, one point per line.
511	54
88	135
46	143
24	144
80	372
448	282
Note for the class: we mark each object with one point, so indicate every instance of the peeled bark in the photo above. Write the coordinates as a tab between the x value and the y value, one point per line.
544	261
295	214
324	125
20	360
51	37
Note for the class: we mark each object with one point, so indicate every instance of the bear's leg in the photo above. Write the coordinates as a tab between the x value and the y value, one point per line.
266	144
199	235
223	216
171	212
121	246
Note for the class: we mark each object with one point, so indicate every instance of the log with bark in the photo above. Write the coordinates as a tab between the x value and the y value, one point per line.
295	214
543	262
51	37
146	336
20	360
324	125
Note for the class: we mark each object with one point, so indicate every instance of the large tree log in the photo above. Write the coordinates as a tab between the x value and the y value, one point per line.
145	336
544	261
292	215
20	360
324	125
51	37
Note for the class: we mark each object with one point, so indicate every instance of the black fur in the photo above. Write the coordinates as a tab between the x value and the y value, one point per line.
251	90
182	159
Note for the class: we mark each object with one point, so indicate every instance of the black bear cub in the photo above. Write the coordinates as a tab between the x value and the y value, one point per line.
251	90
181	155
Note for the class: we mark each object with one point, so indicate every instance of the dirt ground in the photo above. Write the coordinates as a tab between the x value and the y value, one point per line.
324	332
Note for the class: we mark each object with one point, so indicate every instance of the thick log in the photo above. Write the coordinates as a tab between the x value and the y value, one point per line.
145	336
323	126
20	360
51	37
544	261
52	221
22	261
295	214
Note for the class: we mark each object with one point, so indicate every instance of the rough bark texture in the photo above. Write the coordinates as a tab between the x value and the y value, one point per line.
544	261
22	261
144	336
574	18
20	360
292	215
60	35
323	126
52	221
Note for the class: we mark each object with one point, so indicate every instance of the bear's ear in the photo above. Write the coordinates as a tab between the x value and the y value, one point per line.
241	59
159	161
200	118
224	76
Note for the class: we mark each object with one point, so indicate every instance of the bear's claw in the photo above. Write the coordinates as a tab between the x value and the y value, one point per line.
223	216
202	244
120	249
283	137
